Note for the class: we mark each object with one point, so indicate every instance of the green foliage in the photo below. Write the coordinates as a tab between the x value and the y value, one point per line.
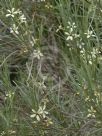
50	68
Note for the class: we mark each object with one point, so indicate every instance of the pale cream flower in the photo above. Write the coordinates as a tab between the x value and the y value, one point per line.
71	26
59	28
9	95
14	29
40	113
71	32
12	12
42	85
48	122
37	54
69	36
22	18
89	34
92	112
3	133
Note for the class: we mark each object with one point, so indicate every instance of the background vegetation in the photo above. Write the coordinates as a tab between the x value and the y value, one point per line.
50	68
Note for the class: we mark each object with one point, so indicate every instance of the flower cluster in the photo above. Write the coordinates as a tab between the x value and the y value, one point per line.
14	14
71	34
73	37
9	132
49	6
91	112
91	55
